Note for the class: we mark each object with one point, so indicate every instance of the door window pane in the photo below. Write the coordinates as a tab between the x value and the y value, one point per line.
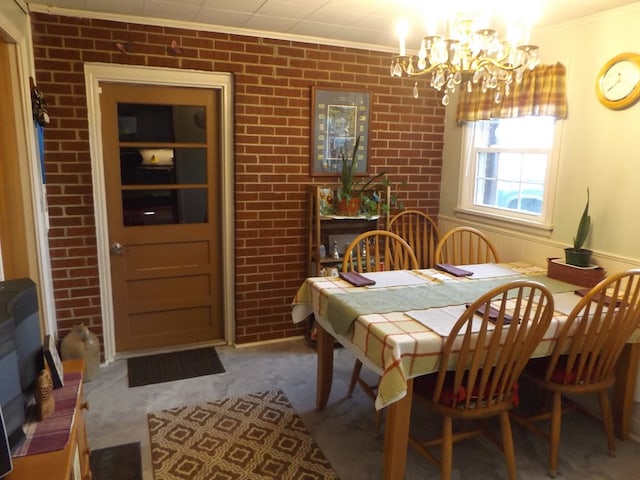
163	166
164	206
161	123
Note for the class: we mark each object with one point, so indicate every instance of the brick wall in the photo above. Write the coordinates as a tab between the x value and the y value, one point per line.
272	125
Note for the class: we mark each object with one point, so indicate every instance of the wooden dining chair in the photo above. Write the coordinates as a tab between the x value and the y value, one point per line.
420	231
375	251
465	246
482	358
584	357
378	250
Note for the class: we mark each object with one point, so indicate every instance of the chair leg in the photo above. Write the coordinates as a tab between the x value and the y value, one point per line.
507	444
447	448
357	368
378	420
554	437
607	421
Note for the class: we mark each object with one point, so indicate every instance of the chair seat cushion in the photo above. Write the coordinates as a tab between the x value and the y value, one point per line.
426	386
539	367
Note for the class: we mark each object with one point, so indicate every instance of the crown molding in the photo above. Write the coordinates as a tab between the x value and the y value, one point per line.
163	22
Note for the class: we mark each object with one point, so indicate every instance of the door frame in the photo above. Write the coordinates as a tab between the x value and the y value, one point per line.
115	73
15	31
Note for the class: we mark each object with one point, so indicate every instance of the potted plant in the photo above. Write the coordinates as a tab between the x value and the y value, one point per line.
576	255
351	190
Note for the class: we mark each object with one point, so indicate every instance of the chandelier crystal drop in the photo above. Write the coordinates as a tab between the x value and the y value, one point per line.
468	59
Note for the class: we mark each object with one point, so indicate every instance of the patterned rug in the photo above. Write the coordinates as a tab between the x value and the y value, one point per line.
253	437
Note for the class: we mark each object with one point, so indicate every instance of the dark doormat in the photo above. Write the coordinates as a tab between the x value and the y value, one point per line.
166	367
121	462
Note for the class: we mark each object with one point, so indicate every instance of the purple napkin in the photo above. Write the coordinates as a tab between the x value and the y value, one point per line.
607	299
493	314
453	270
355	279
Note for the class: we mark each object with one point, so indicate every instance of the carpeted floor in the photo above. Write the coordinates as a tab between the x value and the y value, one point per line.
121	462
256	436
167	367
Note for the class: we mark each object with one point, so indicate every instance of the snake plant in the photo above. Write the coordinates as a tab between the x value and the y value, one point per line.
583	227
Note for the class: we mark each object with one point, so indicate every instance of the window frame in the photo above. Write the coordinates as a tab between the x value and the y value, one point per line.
539	225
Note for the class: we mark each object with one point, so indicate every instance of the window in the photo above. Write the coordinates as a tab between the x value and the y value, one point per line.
509	169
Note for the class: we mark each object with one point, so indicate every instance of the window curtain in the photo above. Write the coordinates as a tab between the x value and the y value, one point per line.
542	92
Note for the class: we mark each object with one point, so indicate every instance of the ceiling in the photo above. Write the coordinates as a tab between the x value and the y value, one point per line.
365	22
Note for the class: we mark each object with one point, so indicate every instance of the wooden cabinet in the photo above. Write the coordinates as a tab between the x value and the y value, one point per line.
84	453
325	229
70	463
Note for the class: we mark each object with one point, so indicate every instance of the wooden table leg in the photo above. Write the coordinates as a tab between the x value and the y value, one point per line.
624	389
325	367
396	436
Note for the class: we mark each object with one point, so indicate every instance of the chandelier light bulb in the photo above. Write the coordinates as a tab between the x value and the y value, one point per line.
402	29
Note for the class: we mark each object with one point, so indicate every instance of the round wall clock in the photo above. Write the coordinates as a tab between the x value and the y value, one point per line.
618	83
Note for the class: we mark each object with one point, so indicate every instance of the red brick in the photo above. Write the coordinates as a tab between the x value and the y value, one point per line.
272	84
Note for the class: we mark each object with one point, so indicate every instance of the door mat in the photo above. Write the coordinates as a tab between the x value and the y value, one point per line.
255	436
121	462
167	367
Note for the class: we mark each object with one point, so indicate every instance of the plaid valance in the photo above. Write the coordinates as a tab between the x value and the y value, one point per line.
542	92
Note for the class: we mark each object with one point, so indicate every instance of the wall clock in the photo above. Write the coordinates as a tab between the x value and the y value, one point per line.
618	83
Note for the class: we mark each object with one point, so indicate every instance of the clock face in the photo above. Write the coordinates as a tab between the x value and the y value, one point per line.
620	80
618	84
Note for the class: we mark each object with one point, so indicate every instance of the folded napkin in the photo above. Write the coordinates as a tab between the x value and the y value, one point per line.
596	298
493	314
355	279
453	270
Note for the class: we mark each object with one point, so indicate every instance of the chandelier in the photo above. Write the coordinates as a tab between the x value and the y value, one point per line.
466	58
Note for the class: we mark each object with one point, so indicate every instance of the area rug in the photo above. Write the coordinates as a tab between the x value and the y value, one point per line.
121	462
167	367
254	437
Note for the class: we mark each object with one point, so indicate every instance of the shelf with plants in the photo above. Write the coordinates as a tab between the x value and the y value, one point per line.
323	224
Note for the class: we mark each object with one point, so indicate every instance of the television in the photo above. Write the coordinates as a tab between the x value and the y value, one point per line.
21	358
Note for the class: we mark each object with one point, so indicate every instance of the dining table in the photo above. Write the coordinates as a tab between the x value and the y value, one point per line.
396	322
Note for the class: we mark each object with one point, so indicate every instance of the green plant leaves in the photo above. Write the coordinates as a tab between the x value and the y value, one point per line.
583	227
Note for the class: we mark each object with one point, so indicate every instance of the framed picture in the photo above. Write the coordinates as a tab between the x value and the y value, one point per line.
338	117
53	361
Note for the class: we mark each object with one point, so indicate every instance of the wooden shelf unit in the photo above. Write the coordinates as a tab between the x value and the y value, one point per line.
321	227
61	464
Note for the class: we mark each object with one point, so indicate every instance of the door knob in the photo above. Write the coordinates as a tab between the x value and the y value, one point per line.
117	248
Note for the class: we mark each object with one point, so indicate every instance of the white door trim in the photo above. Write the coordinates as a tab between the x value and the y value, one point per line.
95	73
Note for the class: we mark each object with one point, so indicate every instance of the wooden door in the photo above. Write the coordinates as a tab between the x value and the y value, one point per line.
14	214
162	174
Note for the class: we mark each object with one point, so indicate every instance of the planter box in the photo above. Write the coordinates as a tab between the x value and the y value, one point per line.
581	276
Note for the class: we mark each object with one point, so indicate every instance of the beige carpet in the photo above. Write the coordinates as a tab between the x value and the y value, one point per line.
253	437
